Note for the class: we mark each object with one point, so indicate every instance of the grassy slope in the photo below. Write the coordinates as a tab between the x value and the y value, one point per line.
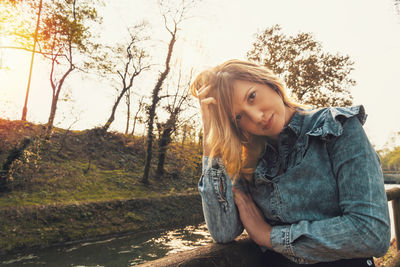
82	166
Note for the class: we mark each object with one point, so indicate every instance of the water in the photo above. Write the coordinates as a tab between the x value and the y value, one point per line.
127	250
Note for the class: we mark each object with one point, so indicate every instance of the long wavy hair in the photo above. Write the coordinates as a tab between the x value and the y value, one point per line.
238	149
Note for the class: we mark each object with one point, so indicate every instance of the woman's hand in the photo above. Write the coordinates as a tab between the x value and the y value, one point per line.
205	102
252	219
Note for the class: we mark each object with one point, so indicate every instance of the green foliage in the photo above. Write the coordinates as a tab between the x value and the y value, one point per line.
20	153
63	24
20	30
25	165
64	36
183	162
313	77
390	154
391	160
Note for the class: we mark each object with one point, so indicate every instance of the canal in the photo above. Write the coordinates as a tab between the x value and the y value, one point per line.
128	250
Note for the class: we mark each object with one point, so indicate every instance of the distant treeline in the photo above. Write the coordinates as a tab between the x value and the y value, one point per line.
390	158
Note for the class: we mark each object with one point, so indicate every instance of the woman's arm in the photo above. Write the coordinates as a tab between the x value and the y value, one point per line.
363	228
252	219
215	186
220	212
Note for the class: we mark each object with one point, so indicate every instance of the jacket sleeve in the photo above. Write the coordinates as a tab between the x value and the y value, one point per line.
363	228
220	212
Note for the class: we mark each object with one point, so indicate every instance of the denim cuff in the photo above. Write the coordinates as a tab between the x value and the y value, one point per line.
280	240
216	163
205	163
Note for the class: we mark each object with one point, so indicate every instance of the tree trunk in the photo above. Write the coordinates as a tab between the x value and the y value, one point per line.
128	112
53	110
56	94
137	115
200	140
52	115
25	108
152	110
134	125
112	116
165	140
184	136
146	172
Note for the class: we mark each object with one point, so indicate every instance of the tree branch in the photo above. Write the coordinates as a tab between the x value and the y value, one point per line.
26	49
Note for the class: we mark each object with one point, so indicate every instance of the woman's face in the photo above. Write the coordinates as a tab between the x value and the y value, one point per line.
258	109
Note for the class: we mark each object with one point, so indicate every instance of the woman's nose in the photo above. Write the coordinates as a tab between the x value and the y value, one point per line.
256	116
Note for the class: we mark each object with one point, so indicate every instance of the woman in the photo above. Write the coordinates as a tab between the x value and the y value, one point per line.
307	184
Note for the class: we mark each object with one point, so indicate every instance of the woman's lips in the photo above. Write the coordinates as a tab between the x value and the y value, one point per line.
269	123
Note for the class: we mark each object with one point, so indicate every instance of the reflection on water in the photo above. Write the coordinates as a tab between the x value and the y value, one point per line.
127	250
181	240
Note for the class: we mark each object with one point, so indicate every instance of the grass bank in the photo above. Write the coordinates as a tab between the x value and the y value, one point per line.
45	225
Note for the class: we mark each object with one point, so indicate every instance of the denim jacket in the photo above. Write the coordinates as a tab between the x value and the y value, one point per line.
328	204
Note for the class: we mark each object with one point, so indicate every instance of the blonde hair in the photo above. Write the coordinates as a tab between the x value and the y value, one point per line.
239	150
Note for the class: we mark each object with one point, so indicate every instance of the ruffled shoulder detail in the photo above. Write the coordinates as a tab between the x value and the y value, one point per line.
328	122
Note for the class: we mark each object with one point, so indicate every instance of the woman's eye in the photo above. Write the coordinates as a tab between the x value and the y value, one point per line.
252	96
238	117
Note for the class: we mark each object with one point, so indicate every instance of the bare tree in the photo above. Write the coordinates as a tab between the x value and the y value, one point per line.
172	20
128	110
188	131
128	62
179	102
137	118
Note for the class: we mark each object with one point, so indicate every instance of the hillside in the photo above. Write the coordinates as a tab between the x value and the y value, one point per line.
84	166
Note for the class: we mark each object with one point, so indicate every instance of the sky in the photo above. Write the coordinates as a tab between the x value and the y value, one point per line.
366	30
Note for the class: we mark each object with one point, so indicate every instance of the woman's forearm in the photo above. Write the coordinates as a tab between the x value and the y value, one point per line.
252	219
